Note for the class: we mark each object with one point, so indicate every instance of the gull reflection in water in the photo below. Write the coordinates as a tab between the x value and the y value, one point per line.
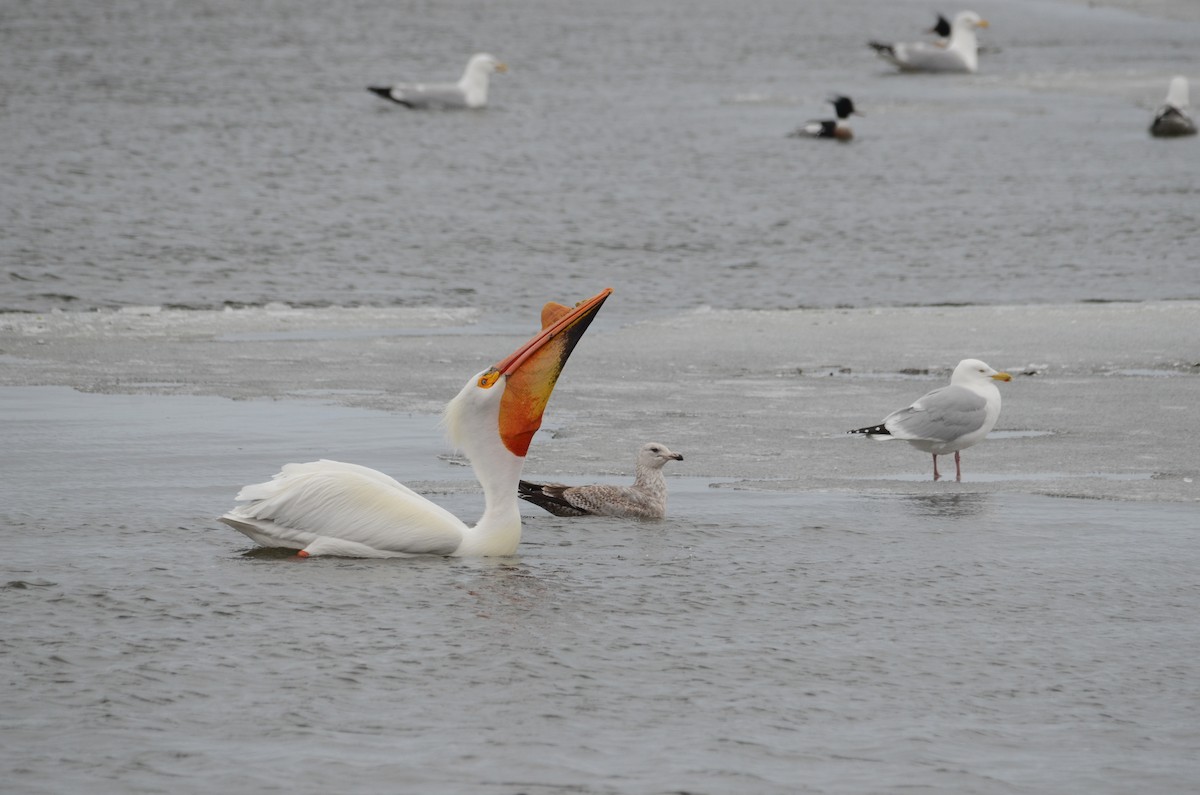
949	506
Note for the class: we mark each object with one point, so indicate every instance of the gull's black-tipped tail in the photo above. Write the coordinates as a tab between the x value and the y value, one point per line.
882	48
873	430
548	497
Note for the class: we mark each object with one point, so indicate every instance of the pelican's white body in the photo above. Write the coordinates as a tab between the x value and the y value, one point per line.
333	508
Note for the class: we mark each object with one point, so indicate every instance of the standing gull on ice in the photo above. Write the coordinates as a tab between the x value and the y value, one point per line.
645	499
831	128
469	92
331	508
959	54
948	419
1171	121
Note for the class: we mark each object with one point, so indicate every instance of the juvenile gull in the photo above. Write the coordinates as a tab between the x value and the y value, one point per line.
948	419
469	92
1171	121
645	499
831	128
960	53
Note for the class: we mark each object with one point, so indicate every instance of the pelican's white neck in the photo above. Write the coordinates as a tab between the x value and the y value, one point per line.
472	422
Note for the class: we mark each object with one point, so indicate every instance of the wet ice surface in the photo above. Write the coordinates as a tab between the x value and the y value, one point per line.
943	636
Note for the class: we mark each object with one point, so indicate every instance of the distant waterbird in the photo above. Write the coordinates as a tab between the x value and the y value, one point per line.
835	129
471	91
1171	120
959	53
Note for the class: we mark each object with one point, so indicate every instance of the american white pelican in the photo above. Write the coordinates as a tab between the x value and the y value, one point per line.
831	128
645	499
948	419
959	54
471	91
1171	121
331	508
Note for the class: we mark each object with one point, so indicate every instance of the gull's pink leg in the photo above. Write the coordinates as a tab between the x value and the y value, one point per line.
936	476
957	468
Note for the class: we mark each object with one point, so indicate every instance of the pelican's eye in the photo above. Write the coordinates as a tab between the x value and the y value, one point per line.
489	378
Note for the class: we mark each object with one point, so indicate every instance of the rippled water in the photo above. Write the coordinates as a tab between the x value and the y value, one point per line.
204	154
200	154
753	642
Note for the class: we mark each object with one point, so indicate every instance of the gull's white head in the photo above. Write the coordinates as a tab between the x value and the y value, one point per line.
973	371
967	21
485	63
655	455
474	82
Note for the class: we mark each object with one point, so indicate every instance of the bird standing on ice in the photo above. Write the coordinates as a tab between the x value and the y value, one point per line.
645	499
960	53
471	91
331	508
948	419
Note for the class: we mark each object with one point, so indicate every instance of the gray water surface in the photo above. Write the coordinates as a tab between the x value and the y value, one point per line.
207	154
756	641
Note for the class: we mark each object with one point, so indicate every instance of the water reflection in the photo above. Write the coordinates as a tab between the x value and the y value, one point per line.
948	505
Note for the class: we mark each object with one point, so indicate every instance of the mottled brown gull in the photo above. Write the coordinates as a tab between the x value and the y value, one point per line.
645	499
950	418
471	91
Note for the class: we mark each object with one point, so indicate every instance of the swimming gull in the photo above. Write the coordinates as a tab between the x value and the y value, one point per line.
830	128
959	54
950	418
645	499
1171	121
469	92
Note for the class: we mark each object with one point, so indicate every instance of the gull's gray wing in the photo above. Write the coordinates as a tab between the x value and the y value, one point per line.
923	57
432	96
603	500
944	415
597	500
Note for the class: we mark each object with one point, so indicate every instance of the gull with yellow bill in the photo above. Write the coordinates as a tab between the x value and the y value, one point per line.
959	53
948	419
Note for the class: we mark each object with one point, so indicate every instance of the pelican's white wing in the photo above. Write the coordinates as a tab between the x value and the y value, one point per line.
358	509
944	415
